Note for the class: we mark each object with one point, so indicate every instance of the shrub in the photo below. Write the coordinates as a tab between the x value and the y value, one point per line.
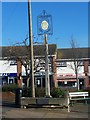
57	92
10	87
40	92
26	92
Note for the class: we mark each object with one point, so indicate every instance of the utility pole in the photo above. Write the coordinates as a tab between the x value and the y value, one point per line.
31	48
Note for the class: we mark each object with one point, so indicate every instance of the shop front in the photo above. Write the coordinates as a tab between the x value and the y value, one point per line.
69	81
8	78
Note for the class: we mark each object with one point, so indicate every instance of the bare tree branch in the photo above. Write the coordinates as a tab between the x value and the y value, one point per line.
15	53
76	59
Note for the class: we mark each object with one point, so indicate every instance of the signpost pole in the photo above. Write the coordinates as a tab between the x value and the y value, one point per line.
47	80
45	28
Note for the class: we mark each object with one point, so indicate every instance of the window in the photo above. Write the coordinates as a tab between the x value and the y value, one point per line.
89	80
89	62
61	64
13	63
10	81
80	63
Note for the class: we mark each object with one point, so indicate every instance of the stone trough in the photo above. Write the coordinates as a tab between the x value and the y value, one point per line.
40	102
24	102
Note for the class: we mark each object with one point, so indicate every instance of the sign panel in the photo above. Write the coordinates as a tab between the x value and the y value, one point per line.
8	74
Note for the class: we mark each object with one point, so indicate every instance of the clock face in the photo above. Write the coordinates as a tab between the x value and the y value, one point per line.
44	25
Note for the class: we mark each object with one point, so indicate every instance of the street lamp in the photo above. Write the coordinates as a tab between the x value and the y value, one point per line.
44	22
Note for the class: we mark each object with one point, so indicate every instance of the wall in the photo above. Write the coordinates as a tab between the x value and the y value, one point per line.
8	72
6	67
69	70
86	71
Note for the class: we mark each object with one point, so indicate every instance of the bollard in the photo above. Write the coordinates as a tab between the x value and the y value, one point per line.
18	96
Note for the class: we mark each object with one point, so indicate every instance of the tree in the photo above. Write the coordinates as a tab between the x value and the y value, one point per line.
21	52
76	55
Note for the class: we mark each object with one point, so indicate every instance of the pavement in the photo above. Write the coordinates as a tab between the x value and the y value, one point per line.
8	110
77	111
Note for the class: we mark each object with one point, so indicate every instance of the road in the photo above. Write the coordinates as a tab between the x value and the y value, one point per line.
77	111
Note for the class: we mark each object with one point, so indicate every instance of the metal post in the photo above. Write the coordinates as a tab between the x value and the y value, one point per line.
47	80
78	84
41	82
31	47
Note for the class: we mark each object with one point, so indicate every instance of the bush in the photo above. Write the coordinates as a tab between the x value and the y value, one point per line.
57	92
40	92
10	87
26	92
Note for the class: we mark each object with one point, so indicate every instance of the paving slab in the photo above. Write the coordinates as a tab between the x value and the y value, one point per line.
77	111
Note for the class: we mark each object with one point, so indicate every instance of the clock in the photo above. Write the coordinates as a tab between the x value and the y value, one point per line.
44	25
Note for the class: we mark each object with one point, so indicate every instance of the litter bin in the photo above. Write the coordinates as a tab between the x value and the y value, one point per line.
18	95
